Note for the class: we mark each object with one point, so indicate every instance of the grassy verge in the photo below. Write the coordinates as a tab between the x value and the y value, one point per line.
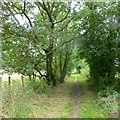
56	105
16	99
19	101
24	102
88	107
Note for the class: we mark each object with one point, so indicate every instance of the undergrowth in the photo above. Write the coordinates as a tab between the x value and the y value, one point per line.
108	100
17	99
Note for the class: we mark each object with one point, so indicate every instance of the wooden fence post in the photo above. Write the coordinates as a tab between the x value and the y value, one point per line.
22	77
9	80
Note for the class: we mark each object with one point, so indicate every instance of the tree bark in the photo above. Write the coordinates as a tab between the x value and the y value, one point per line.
22	80
49	62
63	68
49	56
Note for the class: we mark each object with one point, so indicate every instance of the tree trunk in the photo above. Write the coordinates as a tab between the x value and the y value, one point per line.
49	61
62	76
63	68
34	76
48	67
22	80
9	80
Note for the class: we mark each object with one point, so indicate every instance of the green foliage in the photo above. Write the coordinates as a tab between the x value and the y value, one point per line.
116	86
50	38
29	38
39	85
16	99
22	109
80	77
108	100
99	44
90	110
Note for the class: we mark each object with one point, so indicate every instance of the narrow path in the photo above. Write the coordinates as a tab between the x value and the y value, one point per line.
75	103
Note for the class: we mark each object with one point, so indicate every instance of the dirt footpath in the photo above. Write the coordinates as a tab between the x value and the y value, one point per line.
75	104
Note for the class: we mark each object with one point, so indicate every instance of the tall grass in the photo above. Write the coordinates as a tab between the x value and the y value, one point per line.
88	105
16	99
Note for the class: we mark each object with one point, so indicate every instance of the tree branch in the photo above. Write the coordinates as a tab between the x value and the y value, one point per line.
52	6
41	75
46	10
39	9
66	25
29	23
24	14
63	18
24	5
12	13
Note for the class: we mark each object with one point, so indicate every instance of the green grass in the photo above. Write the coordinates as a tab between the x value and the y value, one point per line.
19	101
80	77
16	99
88	106
68	107
83	75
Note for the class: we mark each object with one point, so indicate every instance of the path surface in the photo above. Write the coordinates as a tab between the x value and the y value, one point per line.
75	104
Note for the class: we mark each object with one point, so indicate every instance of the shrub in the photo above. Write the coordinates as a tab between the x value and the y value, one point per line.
108	101
39	85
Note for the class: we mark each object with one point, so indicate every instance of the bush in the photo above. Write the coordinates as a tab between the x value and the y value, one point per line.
39	85
108	100
117	85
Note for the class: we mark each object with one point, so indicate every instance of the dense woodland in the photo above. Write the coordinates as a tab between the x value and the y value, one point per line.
54	36
46	42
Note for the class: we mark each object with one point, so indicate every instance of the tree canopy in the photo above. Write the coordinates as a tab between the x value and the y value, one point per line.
50	36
